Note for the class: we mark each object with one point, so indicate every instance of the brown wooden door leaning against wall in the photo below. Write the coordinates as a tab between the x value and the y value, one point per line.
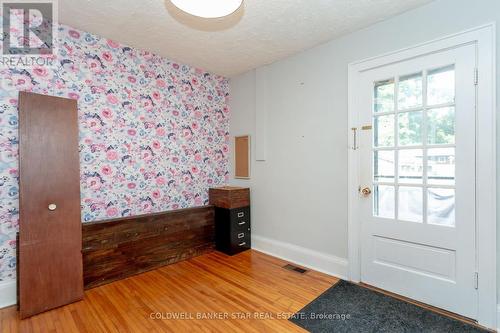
50	231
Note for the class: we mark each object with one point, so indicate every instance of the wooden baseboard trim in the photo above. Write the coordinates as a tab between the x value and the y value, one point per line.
318	261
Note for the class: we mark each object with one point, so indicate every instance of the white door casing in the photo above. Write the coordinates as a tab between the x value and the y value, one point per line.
424	260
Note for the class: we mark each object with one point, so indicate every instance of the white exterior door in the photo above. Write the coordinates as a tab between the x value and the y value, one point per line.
417	158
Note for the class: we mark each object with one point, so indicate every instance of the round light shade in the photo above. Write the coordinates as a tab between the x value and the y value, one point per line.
208	8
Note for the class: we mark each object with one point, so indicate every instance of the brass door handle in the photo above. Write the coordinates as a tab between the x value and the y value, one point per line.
365	191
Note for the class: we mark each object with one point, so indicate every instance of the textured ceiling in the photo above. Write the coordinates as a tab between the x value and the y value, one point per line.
260	32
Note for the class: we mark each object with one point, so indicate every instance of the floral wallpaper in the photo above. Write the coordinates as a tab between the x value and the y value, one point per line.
153	132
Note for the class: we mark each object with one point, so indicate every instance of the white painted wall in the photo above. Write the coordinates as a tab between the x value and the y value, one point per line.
299	193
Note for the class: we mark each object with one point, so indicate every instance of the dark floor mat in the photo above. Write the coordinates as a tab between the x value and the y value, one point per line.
347	307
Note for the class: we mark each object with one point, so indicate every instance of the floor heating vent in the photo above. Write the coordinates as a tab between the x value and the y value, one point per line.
295	269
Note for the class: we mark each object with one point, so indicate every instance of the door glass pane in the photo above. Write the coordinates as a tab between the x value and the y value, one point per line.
441	206
383	131
441	166
383	201
410	166
410	128
383	165
410	203
410	91
384	96
441	126
441	85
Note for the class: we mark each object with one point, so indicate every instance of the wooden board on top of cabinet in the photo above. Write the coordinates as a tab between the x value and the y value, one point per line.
229	197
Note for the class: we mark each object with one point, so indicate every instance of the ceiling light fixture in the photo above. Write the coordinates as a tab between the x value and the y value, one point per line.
208	8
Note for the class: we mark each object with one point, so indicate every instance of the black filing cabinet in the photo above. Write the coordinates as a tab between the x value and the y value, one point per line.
232	229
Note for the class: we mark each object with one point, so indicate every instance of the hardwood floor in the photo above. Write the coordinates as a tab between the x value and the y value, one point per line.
249	292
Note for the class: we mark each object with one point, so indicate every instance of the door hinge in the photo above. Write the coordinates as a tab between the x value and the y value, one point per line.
476	76
476	280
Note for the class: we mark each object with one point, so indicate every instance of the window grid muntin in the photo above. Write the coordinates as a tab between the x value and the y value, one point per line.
424	146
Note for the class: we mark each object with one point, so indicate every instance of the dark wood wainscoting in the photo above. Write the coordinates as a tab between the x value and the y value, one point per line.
118	248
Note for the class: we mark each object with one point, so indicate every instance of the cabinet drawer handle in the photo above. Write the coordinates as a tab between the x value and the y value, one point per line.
242	222
241	214
242	244
241	235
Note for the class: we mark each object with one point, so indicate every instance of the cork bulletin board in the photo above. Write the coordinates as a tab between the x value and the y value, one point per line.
242	157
